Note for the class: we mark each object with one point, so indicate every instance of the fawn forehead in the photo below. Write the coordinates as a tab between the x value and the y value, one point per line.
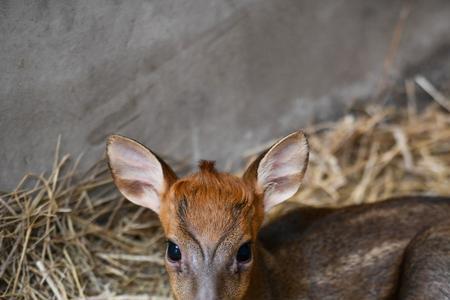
210	203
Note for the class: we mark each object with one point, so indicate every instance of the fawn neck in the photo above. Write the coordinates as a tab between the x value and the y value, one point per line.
260	279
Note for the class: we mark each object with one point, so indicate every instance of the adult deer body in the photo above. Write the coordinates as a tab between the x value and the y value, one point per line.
396	249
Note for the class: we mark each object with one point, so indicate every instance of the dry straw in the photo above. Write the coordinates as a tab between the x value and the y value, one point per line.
71	236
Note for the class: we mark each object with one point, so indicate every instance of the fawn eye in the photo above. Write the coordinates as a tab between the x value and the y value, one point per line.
244	253
173	251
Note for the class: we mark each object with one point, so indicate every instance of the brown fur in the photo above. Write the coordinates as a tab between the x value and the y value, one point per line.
359	252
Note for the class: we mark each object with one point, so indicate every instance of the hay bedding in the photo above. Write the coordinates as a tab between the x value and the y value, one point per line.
71	236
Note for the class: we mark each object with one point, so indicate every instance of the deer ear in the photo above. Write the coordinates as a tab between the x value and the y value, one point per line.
139	174
279	171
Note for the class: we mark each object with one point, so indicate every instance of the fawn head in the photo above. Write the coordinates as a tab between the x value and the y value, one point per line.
210	219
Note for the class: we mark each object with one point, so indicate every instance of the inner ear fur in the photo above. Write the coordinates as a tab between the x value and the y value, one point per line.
139	174
277	173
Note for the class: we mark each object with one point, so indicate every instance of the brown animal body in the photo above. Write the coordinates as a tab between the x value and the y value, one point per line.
396	249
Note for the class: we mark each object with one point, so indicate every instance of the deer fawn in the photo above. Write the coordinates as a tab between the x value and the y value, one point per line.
216	248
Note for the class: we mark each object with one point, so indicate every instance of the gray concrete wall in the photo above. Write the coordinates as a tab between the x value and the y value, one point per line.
192	79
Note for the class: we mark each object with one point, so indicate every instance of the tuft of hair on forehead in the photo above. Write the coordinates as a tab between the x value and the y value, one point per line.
207	166
211	203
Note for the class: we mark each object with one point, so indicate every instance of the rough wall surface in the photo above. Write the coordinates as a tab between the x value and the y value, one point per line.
193	79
